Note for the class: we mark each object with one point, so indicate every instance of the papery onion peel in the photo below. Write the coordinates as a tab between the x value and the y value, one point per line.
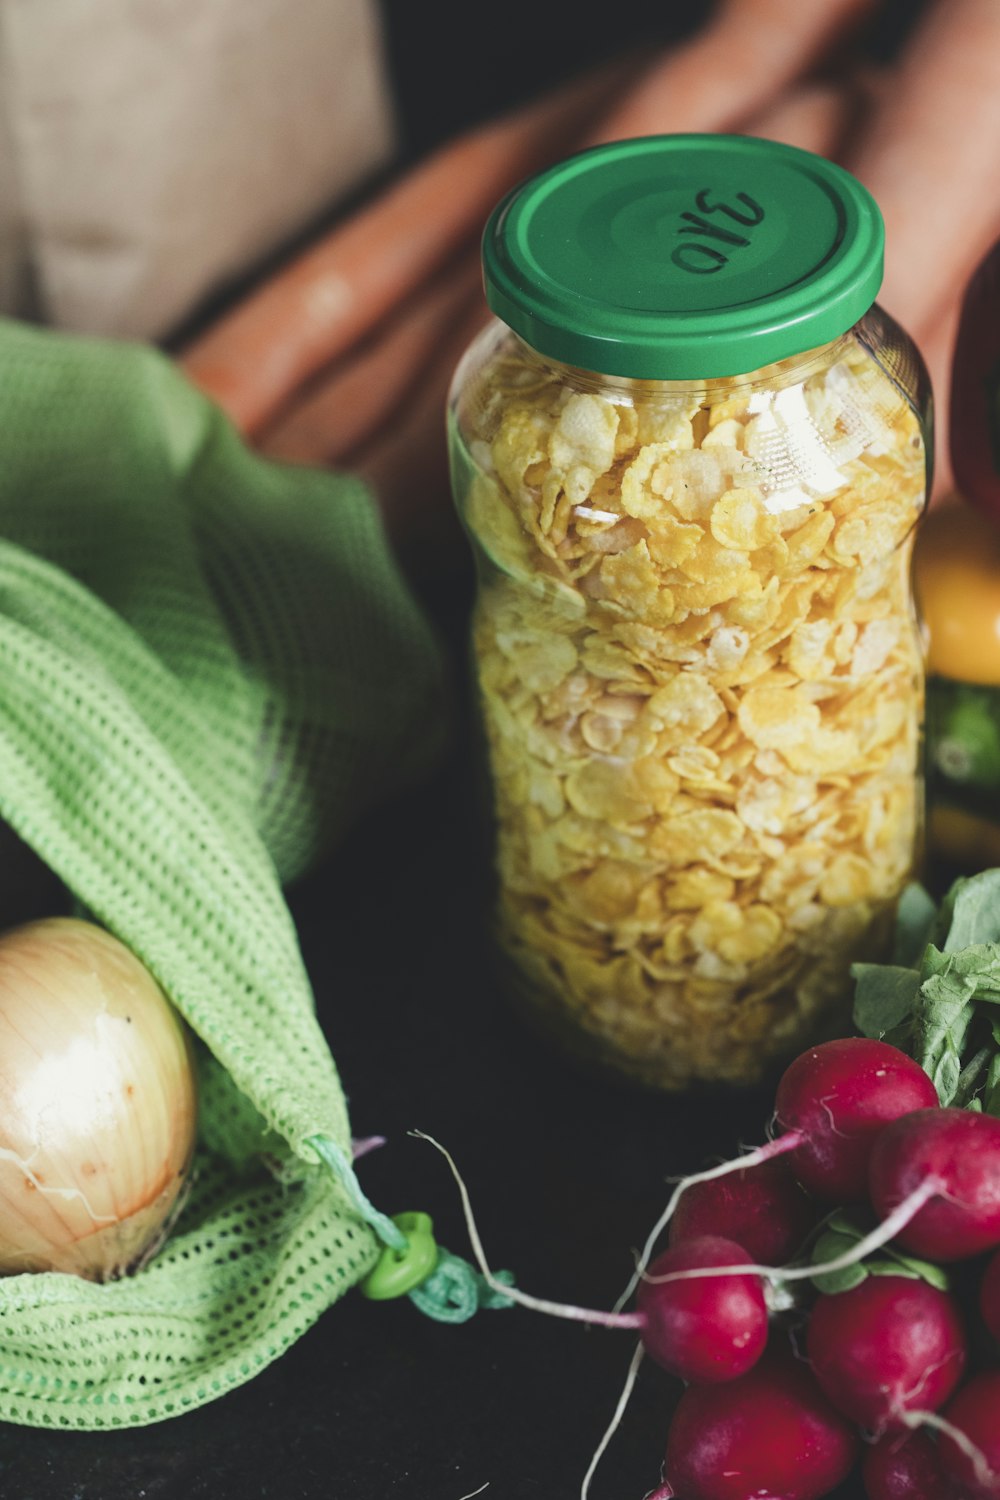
98	1107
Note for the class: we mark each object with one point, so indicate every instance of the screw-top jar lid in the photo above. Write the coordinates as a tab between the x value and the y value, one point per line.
684	256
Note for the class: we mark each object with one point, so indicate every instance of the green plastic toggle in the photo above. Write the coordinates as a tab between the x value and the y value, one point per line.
399	1271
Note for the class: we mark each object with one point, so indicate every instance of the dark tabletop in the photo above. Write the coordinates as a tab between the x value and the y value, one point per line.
566	1171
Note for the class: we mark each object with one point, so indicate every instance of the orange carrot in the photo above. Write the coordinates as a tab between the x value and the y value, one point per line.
342	409
406	462
938	349
302	318
930	158
743	59
814	117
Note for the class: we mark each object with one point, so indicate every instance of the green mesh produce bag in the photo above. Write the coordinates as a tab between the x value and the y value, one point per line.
208	663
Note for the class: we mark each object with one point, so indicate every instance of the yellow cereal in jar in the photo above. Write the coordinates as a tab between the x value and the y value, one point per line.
740	520
694	836
777	718
697	680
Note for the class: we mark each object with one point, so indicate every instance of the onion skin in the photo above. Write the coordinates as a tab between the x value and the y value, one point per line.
98	1107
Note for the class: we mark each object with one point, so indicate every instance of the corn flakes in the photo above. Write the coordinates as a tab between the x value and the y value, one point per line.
700	685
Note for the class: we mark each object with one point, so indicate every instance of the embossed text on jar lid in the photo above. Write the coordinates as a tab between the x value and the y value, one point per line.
685	256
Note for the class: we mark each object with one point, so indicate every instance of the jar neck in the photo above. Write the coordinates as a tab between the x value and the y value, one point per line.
786	372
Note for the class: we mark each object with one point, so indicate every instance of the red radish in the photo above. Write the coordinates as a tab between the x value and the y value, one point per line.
762	1208
770	1433
839	1096
989	1297
907	1467
708	1330
954	1154
889	1346
975	1413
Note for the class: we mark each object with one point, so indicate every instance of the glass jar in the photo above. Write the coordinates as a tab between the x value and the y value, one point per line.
698	663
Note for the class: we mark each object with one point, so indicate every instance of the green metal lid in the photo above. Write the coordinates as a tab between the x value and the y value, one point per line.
679	257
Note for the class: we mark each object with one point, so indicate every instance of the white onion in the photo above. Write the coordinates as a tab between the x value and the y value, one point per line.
98	1107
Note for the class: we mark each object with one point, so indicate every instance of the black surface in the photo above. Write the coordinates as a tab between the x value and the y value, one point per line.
567	1172
451	64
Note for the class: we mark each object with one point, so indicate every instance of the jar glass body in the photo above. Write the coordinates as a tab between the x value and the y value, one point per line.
701	686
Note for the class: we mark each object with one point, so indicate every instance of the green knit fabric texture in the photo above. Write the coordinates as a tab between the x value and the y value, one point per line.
209	666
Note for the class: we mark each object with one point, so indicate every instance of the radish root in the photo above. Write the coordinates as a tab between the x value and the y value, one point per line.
881	1235
752	1159
513	1293
984	1473
615	1423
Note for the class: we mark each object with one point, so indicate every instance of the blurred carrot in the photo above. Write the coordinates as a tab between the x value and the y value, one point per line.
343	409
938	349
744	57
815	117
937	131
256	357
406	462
306	315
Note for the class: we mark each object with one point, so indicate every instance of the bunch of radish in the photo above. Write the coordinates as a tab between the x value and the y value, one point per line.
786	1392
796	1371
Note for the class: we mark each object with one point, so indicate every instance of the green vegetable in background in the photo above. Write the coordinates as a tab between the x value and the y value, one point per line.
939	1000
963	741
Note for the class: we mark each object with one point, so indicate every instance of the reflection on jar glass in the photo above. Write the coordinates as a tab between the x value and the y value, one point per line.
701	682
